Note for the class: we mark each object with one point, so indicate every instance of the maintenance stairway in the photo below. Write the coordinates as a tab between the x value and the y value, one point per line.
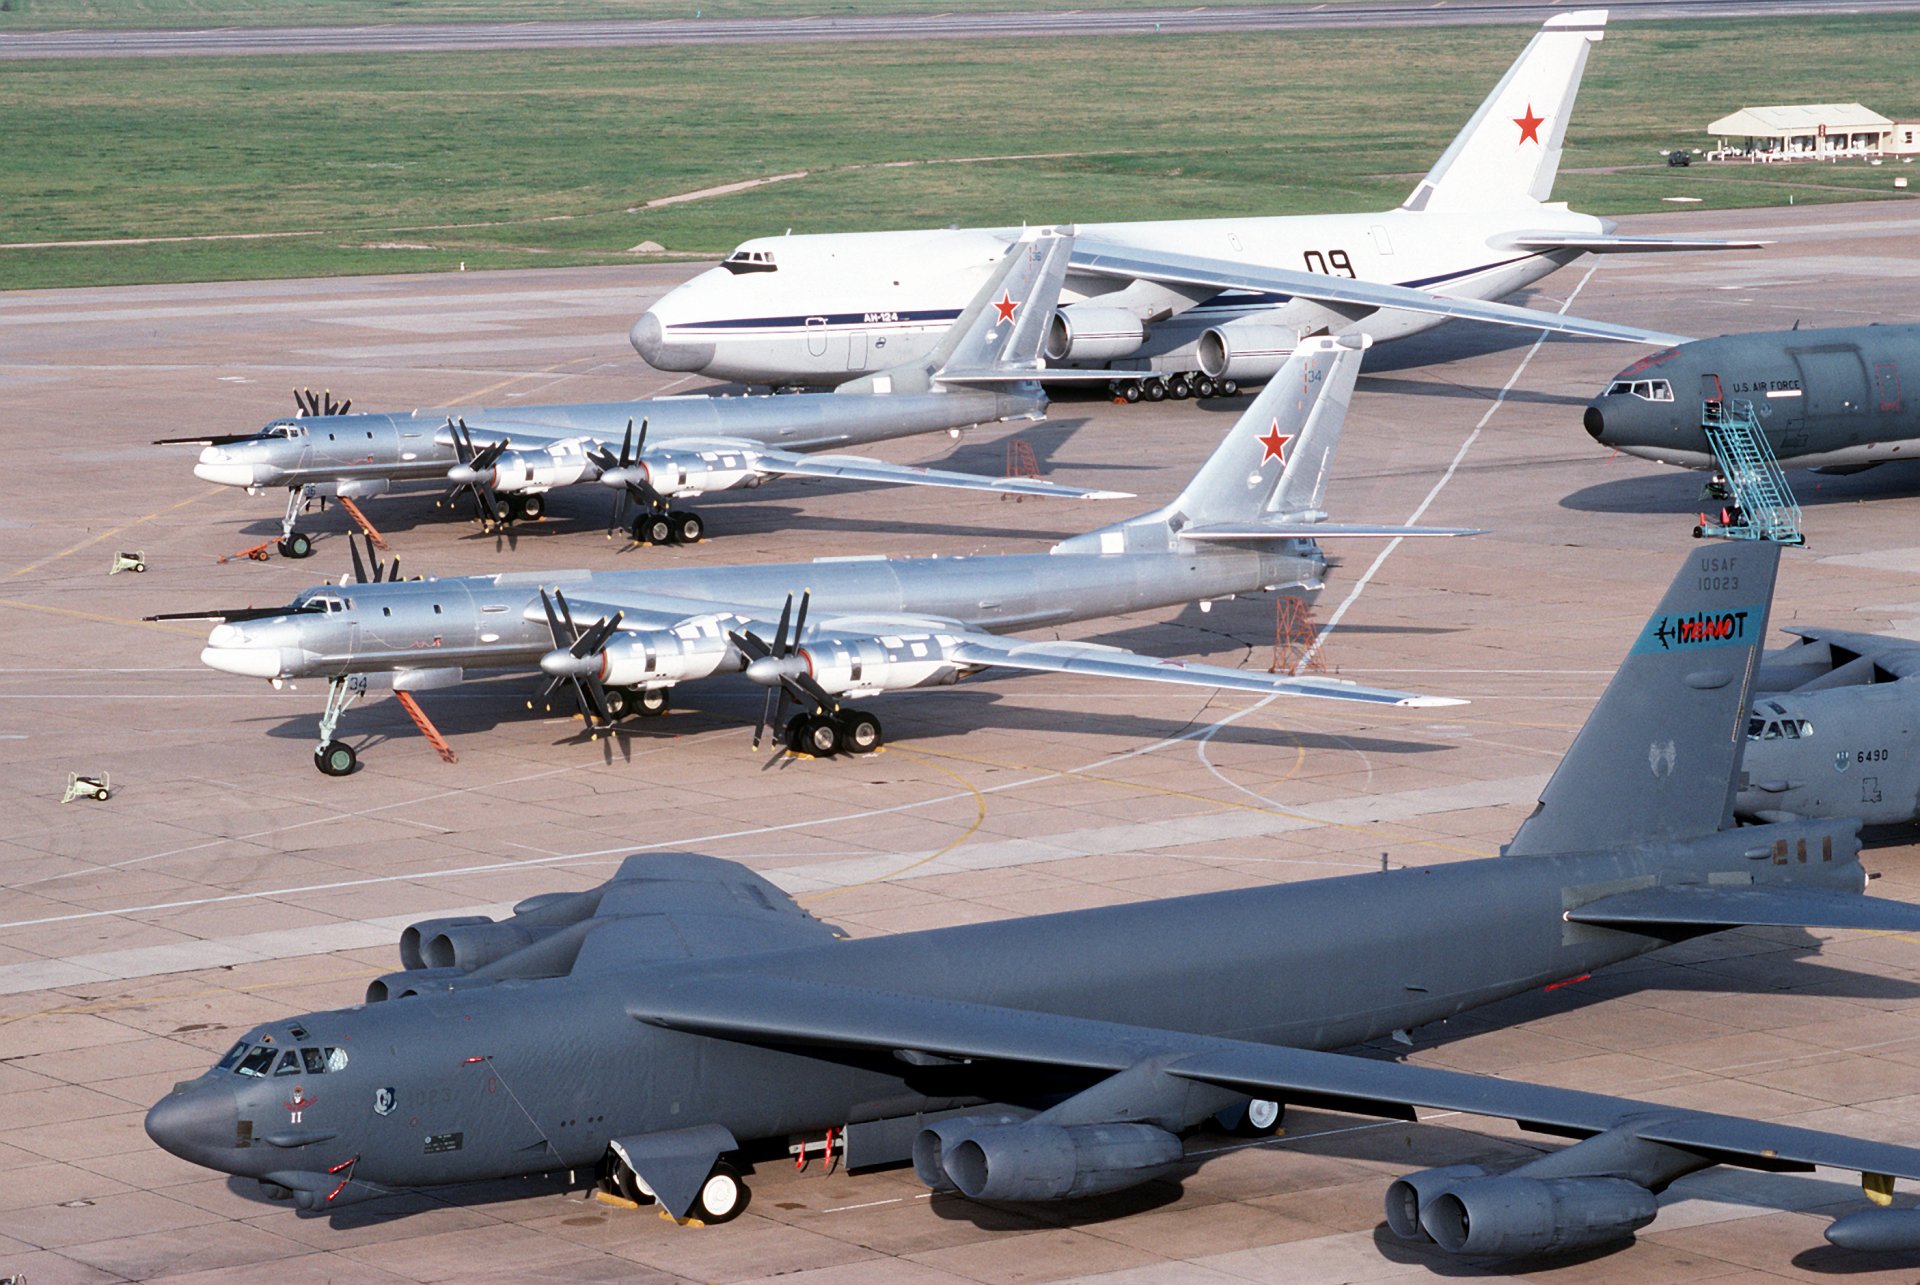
1760	505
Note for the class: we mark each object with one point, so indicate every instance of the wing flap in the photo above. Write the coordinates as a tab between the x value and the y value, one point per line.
1602	244
1231	532
856	468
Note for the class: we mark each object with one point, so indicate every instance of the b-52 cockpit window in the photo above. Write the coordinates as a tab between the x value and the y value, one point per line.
256	1062
1647	390
259	1058
232	1058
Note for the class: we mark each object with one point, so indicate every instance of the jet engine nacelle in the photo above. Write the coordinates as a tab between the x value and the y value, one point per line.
656	658
863	665
1512	1216
417	935
518	472
992	1160
1409	1195
469	946
1246	350
1094	334
682	472
413	982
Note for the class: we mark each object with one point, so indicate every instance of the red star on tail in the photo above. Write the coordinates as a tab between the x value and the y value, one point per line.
1529	125
1274	445
1006	307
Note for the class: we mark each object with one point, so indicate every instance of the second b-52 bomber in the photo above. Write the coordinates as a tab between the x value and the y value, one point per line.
1833	399
664	1024
509	458
621	640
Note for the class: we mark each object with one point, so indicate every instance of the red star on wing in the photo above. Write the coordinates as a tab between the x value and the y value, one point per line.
1006	307
1274	445
1529	125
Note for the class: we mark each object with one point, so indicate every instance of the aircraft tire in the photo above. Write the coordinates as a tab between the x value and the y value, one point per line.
723	1196
688	527
626	1184
1178	388
1131	392
650	702
1203	387
1256	1119
619	703
652	528
818	736
297	545
532	507
859	732
1228	387
336	758
1154	390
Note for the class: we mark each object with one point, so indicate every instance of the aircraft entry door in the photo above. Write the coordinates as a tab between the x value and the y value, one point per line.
816	336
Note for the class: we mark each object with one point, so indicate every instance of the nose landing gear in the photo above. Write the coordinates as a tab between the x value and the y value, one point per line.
332	757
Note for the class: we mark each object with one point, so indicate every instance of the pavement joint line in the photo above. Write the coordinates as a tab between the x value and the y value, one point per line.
113	531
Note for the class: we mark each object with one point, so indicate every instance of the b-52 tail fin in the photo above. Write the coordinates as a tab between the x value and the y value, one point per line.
1659	757
1509	152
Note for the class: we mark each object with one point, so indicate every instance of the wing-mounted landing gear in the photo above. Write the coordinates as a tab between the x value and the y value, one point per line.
1179	386
334	757
626	474
822	727
682	1171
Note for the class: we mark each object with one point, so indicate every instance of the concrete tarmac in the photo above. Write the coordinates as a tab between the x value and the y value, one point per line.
961	24
226	882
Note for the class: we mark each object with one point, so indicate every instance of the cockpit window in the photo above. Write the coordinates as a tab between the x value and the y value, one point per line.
289	431
232	1058
1647	390
750	261
315	1061
256	1061
289	1063
336	1059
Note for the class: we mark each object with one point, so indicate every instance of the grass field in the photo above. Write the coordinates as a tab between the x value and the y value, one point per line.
420	162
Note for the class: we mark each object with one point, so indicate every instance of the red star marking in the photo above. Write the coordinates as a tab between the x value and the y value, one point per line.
1274	444
1006	306
1529	125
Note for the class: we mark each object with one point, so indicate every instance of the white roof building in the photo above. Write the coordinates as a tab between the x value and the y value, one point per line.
1811	130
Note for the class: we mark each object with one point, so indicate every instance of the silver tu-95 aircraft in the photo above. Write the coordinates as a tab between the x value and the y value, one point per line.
621	640
508	458
659	1023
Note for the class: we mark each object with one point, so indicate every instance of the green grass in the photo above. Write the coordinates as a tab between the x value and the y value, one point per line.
549	157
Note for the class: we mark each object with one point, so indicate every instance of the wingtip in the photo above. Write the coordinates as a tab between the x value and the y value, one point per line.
1430	702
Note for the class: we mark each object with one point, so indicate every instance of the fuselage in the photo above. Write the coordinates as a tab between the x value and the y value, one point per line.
481	622
520	1076
1844	751
819	309
1823	398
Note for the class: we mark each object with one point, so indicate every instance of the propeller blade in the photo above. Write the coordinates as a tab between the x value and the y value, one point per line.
359	567
626	445
641	444
766	711
800	625
566	614
553	621
779	647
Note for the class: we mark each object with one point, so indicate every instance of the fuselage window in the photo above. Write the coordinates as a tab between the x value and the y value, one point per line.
436	608
386	611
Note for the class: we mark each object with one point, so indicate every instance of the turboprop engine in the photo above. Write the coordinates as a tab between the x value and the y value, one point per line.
515	472
860	665
655	658
1082	333
994	1158
679	472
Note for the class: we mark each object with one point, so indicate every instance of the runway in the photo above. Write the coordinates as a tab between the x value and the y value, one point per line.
1019	24
227	882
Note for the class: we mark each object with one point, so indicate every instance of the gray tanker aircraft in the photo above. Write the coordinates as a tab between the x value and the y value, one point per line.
686	1014
981	371
621	640
1189	302
1835	731
1828	399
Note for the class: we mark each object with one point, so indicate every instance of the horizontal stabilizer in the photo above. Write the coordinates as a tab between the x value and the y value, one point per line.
1697	907
1602	244
1226	531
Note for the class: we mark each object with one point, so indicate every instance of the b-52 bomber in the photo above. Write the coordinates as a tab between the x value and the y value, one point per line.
666	1022
509	458
621	640
1830	399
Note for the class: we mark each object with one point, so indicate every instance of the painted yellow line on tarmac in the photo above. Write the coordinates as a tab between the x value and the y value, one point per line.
979	819
95	615
110	533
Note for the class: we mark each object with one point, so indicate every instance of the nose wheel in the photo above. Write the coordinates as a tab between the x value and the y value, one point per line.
335	757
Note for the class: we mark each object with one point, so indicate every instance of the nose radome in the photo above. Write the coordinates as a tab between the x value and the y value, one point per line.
649	339
195	1124
1596	422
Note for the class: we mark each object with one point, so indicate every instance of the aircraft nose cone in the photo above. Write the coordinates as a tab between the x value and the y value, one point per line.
216	465
649	339
196	1124
1596	422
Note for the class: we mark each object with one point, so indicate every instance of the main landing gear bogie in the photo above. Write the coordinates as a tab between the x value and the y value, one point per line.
1179	386
723	1194
824	735
674	526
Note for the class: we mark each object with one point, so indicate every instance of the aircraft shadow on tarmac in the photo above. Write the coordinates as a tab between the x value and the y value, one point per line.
1678	490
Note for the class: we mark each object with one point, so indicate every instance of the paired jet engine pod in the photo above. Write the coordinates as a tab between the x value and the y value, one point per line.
413	982
889	663
413	941
1246	350
1510	1216
469	946
999	1160
1080	333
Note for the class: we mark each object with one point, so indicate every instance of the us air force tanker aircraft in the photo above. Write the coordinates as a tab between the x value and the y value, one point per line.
980	370
622	640
1200	300
1836	730
1064	1055
1829	399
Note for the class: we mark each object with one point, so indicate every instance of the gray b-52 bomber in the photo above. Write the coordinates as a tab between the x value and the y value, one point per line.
1833	732
621	640
1827	399
508	458
661	1022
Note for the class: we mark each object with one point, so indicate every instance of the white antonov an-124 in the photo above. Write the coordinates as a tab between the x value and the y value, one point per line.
1195	301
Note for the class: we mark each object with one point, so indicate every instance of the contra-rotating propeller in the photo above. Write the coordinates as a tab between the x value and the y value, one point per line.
780	668
621	473
389	571
322	403
576	659
475	472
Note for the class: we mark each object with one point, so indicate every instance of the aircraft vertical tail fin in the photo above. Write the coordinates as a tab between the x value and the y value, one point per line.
1659	757
1509	152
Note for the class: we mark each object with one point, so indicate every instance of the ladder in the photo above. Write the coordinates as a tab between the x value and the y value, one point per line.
1762	506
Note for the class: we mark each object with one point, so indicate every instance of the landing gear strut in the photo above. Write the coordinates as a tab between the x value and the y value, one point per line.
337	758
295	544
